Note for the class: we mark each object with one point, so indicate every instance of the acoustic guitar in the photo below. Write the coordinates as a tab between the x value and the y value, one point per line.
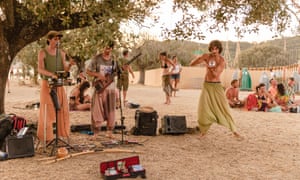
101	85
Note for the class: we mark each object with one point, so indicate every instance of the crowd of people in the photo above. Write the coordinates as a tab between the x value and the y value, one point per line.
279	97
107	95
102	102
214	103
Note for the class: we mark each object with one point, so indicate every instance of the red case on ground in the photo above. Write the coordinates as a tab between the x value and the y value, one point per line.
110	170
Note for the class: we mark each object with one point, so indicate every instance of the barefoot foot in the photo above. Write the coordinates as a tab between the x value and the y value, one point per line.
93	138
238	136
109	135
201	136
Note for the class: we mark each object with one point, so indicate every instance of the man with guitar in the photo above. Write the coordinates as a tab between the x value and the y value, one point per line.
123	76
103	69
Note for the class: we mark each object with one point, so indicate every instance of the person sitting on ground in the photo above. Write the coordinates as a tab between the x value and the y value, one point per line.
232	94
282	98
81	77
290	90
261	100
78	99
273	88
257	101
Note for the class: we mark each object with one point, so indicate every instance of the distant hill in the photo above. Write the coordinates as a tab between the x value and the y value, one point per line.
187	50
291	42
292	45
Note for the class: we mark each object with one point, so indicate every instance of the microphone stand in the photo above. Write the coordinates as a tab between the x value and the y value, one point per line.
53	94
119	72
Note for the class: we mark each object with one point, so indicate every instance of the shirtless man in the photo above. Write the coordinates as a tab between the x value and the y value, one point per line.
213	106
273	88
232	94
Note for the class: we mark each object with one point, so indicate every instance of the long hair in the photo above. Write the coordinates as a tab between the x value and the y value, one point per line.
281	89
85	85
259	86
217	44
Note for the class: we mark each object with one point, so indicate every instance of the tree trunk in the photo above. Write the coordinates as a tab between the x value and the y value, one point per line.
4	69
142	76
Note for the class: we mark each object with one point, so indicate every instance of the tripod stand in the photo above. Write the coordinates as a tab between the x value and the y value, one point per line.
54	142
122	117
53	93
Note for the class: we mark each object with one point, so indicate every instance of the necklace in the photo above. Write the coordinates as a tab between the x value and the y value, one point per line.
212	63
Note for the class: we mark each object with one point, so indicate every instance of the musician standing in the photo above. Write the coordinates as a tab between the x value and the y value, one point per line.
123	76
103	102
50	60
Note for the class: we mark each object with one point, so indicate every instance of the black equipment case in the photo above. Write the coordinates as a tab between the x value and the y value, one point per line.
17	147
145	123
173	124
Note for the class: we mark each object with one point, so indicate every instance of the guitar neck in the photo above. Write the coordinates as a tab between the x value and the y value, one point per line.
134	58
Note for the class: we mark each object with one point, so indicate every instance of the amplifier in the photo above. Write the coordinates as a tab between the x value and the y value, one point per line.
145	123
173	125
17	147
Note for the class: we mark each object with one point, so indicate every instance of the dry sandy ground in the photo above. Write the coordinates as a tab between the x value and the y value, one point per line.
270	149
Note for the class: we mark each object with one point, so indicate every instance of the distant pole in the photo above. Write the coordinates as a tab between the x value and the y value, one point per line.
227	56
237	53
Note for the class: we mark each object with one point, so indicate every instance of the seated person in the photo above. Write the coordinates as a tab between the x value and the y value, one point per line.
273	87
251	103
258	100
261	100
290	90
282	98
232	94
81	77
78	99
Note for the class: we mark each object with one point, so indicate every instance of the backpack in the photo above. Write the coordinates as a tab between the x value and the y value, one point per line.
251	103
5	128
18	122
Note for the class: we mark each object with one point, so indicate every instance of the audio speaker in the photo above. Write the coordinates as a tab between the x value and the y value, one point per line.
173	125
17	147
145	123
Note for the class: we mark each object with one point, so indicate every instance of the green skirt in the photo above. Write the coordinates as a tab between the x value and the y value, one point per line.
214	108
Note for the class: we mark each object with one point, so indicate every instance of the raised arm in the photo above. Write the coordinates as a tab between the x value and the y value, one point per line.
170	62
67	66
198	60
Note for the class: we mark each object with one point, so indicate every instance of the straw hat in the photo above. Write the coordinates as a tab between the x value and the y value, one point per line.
52	34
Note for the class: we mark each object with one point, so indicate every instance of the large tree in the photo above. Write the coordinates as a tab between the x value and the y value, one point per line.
26	21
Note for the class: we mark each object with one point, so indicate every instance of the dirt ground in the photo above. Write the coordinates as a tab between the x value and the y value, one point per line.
270	148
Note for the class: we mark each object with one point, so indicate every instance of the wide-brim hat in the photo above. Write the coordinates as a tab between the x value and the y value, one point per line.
52	34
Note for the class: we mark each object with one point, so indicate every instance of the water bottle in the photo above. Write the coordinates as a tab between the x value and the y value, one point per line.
3	155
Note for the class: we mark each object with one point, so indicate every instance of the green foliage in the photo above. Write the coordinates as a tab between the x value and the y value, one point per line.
25	21
263	55
242	15
78	44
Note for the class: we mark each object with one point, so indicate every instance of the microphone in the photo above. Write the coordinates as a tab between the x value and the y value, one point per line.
57	44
